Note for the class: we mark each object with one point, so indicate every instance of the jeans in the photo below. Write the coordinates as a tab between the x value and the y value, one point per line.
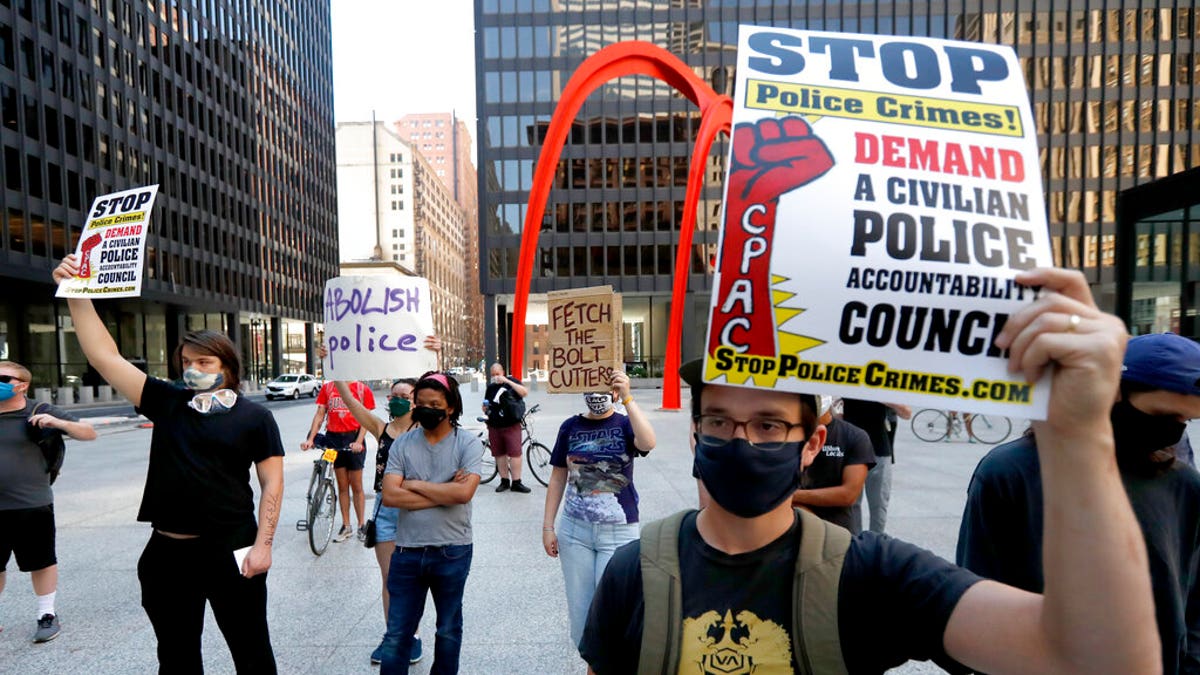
584	550
177	577
438	570
878	492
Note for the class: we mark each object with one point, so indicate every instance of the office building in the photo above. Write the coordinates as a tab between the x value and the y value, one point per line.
228	107
1114	93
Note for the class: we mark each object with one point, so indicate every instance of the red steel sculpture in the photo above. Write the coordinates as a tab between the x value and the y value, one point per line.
619	60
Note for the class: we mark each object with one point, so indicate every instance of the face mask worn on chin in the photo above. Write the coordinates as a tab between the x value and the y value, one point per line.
1137	432
399	407
745	480
429	418
198	380
7	391
598	404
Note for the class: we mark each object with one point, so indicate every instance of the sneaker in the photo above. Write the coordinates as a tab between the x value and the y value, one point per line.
415	655
503	486
518	486
47	628
362	533
343	535
377	655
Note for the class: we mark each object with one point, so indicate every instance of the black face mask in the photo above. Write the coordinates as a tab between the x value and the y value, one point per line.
745	480
427	417
1136	432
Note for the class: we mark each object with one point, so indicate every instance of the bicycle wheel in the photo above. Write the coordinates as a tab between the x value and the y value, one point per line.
537	459
321	517
931	425
487	464
989	429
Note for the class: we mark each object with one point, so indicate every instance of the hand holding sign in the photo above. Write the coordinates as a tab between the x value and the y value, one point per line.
110	254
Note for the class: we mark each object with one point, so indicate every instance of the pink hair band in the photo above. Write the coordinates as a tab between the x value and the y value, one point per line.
440	379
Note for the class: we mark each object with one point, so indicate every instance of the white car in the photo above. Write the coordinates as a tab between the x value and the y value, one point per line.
292	386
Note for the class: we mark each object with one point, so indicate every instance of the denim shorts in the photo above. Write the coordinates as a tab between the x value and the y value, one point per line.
385	522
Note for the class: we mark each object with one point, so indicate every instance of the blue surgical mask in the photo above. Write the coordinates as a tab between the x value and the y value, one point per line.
7	391
198	380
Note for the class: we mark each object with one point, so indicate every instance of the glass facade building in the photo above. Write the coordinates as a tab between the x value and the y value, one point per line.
1113	87
228	106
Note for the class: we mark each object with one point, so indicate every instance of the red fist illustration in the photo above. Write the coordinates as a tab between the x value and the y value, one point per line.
85	255
771	157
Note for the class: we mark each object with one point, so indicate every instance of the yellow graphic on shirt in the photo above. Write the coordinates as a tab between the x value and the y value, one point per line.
725	645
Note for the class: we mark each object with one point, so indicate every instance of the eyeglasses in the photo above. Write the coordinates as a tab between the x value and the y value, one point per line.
220	400
764	433
10	378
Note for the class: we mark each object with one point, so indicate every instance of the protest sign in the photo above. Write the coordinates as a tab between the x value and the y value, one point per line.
882	193
112	246
375	327
584	338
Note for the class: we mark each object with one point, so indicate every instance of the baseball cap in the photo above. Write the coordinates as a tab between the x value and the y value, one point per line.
692	372
1163	361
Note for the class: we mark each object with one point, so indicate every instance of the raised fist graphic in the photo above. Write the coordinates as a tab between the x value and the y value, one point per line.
770	158
85	255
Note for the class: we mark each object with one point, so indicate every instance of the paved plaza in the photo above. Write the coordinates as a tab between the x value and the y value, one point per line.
325	613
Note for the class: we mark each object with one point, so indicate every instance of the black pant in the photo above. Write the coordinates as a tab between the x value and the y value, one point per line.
177	577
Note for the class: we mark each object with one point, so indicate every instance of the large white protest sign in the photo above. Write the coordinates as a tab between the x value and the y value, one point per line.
882	193
112	246
375	328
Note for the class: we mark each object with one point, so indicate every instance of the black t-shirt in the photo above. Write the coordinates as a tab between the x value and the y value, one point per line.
845	445
871	417
1001	538
894	600
198	478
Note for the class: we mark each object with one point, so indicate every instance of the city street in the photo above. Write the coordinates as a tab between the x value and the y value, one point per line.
325	612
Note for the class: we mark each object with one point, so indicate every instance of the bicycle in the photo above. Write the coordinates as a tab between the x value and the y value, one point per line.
932	425
322	503
537	456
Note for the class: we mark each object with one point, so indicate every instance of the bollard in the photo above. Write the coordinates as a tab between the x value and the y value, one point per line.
86	395
533	382
104	393
43	394
66	396
474	384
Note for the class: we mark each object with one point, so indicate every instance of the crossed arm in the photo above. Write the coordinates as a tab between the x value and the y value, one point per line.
414	495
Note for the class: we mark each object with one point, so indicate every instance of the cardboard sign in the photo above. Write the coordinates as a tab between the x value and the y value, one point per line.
585	339
882	193
375	328
112	246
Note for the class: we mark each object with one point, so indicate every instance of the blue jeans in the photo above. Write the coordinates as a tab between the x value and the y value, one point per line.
584	550
415	571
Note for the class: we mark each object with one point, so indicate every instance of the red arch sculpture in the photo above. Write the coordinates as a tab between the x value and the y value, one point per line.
618	60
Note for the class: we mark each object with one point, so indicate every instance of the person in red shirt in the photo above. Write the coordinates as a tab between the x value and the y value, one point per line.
345	434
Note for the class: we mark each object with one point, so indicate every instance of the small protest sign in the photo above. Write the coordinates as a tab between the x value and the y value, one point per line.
882	193
375	327
584	338
112	246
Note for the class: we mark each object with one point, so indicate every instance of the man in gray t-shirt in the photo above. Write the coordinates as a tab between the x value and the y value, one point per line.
432	474
26	501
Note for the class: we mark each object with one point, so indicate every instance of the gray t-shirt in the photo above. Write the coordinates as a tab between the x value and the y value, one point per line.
24	482
412	456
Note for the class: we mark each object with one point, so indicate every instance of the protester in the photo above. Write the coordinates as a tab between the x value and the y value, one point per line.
1001	532
723	583
504	406
872	417
833	483
26	499
432	474
345	435
197	497
593	465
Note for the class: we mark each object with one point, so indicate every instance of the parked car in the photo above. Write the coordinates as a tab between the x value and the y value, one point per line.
292	386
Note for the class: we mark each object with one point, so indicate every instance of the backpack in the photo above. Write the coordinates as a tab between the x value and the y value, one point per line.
54	449
815	641
509	410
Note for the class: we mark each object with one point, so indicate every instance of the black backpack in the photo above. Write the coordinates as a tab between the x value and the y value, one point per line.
54	449
509	410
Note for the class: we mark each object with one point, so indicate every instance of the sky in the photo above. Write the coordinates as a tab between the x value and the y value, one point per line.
403	56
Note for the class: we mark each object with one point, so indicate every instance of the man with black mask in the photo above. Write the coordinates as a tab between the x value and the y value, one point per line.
1001	532
750	585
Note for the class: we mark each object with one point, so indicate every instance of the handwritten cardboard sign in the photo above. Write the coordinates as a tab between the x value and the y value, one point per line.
375	327
881	195
584	338
112	246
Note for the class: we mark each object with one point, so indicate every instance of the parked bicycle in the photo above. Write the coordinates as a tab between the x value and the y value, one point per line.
537	456
932	426
322	500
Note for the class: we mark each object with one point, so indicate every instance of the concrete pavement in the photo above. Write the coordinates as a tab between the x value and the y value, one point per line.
325	612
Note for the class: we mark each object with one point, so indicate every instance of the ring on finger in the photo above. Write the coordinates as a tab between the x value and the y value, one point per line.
1073	322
